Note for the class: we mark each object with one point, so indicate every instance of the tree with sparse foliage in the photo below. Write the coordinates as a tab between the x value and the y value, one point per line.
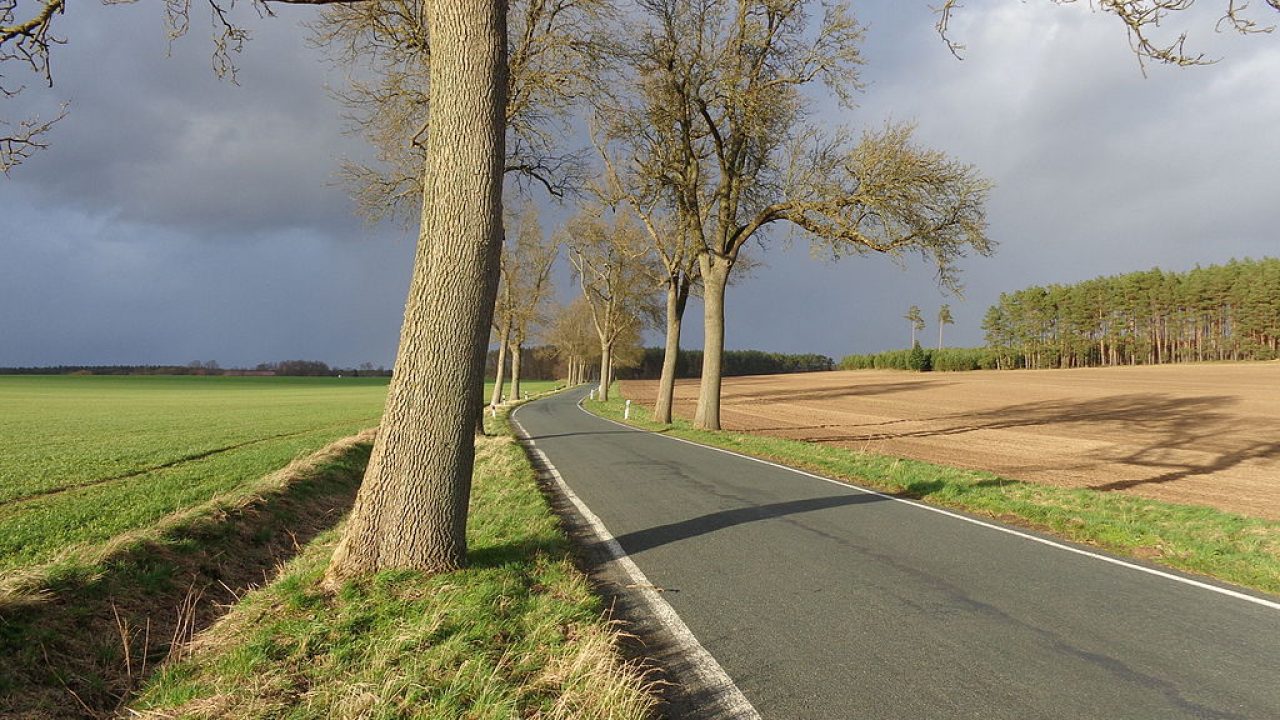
553	62
573	335
916	321
653	153
732	82
611	262
944	319
524	286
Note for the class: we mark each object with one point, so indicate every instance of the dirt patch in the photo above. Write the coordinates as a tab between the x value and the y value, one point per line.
1198	434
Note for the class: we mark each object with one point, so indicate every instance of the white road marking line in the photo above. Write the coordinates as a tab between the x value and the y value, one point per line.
991	526
727	701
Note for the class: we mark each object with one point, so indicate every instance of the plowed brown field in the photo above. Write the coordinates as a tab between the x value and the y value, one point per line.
1202	434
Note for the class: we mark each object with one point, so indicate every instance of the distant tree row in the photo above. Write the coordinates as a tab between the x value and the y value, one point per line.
923	359
736	362
302	368
1222	312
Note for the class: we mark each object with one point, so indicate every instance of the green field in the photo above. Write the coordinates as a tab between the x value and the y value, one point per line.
87	458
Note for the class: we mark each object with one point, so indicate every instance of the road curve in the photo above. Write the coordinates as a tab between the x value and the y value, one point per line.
824	601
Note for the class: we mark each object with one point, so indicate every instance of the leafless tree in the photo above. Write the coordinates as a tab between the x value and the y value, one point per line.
524	288
554	59
617	279
1142	18
639	129
573	334
730	78
411	509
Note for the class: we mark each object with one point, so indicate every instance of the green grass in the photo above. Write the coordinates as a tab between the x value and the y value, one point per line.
79	635
88	459
1230	547
517	634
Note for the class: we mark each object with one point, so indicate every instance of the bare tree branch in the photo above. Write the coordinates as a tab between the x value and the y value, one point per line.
1140	19
21	142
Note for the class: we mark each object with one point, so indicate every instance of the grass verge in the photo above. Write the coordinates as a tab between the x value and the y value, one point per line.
1236	549
519	633
79	635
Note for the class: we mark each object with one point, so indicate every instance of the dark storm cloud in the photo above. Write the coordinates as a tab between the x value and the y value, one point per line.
1097	170
178	217
155	138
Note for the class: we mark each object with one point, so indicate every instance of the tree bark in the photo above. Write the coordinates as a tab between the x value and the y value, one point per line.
496	397
715	277
411	509
606	361
516	350
677	297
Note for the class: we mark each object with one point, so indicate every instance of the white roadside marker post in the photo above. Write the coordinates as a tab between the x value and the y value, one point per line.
626	412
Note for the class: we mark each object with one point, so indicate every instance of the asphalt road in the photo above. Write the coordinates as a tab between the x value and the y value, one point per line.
823	601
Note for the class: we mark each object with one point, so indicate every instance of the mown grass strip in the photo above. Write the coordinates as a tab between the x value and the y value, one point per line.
1202	540
518	633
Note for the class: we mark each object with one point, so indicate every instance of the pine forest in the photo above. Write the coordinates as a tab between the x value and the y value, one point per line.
1221	312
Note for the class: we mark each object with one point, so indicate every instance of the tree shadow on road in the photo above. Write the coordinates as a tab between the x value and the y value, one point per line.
649	538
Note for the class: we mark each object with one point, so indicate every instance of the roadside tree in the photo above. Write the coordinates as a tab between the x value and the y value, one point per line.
617	279
573	335
647	185
524	288
738	75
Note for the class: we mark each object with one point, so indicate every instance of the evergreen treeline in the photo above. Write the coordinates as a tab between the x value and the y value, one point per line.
1222	312
923	359
736	362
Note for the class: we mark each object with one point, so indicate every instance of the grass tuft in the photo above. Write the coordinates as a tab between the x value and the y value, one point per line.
1202	540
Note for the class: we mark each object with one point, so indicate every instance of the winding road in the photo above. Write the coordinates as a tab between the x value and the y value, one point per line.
822	600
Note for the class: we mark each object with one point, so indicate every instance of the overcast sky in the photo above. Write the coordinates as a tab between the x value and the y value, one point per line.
178	217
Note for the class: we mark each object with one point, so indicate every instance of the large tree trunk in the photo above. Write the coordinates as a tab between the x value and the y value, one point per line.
411	510
516	351
677	296
715	276
606	361
496	397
